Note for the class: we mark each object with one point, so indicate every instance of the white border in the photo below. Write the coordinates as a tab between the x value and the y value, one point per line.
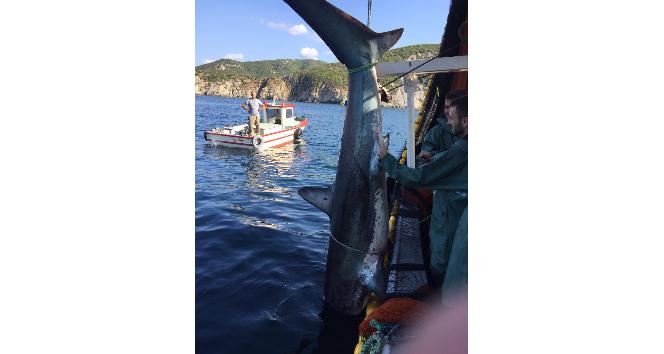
97	219
566	177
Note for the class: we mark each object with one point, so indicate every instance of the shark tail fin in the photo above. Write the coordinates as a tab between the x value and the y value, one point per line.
353	43
385	40
317	196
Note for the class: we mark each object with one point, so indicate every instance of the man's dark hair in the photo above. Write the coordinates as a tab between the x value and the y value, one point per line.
461	104
453	94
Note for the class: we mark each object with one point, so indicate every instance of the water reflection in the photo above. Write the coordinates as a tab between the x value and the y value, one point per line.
259	181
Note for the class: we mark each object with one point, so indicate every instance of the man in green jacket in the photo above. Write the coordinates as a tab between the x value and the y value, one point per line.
456	276
447	175
440	138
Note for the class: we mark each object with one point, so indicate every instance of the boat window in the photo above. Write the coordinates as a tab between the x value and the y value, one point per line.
289	113
271	113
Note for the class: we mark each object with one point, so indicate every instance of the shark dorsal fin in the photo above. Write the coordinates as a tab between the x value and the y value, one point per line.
317	196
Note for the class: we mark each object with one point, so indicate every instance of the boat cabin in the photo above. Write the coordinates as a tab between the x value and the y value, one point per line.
279	114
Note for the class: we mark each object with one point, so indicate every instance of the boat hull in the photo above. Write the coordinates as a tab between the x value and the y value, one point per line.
269	140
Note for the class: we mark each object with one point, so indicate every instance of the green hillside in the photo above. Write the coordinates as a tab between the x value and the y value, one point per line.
227	68
422	51
332	73
317	71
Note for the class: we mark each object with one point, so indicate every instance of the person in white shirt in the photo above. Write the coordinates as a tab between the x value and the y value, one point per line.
253	106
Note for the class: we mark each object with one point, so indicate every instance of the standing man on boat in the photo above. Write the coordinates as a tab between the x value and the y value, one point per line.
253	106
447	175
440	137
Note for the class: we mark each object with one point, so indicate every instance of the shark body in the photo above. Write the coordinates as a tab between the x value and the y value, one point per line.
356	202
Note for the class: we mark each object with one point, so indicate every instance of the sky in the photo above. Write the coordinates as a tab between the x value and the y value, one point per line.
270	29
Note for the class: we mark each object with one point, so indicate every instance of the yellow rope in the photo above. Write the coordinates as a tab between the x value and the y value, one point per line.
361	68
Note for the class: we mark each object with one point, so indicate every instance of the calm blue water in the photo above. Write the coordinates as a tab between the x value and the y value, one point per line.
260	248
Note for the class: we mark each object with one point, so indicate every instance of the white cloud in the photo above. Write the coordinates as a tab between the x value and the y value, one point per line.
297	30
234	56
294	30
208	61
309	53
276	25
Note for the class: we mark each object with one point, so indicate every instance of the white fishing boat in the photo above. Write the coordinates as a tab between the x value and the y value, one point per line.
278	126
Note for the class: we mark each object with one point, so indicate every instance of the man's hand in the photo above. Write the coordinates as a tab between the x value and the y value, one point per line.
425	156
382	150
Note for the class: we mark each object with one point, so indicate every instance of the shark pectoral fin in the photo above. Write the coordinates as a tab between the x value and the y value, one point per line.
378	282
318	197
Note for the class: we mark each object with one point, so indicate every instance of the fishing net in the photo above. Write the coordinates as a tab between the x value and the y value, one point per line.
377	341
393	311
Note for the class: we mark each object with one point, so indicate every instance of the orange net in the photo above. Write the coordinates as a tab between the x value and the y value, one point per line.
394	311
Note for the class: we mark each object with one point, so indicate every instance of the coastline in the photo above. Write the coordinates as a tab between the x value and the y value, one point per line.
293	90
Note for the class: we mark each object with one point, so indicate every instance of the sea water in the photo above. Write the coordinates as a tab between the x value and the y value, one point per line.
260	248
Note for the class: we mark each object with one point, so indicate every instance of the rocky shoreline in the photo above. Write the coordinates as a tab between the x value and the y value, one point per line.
299	88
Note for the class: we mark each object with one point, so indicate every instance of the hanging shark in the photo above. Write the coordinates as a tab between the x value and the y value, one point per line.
356	202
